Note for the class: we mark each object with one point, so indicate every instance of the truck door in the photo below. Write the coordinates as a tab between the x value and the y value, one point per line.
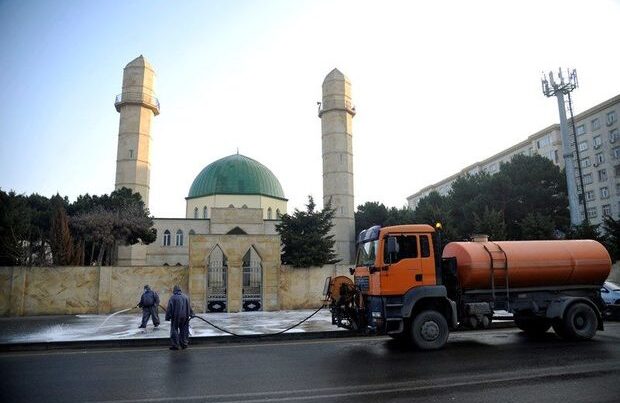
402	267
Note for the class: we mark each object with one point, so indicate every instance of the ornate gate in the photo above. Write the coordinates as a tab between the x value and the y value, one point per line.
252	281
217	276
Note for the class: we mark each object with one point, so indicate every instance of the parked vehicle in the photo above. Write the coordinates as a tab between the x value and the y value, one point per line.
610	292
405	287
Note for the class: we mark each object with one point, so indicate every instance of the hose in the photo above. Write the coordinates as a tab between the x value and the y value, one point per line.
252	335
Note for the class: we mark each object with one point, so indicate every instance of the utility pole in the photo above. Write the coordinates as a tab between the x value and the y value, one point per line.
551	87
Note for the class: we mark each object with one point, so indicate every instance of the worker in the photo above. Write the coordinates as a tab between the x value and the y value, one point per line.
179	313
149	303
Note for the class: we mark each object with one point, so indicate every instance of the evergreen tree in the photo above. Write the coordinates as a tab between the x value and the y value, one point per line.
305	237
61	241
612	229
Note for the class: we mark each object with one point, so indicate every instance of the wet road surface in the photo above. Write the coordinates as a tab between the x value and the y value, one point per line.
483	366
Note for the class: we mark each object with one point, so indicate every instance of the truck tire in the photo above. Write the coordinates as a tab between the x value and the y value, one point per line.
429	330
532	326
579	323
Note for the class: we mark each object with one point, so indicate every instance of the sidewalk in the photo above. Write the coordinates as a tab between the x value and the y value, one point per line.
46	332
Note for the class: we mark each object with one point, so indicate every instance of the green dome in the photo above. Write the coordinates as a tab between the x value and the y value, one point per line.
236	175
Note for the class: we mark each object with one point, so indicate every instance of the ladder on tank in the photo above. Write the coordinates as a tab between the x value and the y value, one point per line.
499	260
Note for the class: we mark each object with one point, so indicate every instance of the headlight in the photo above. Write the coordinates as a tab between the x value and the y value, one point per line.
377	315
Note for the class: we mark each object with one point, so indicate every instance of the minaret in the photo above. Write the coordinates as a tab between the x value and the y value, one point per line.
137	105
336	113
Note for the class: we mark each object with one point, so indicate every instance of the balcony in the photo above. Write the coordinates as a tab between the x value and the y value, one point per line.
136	98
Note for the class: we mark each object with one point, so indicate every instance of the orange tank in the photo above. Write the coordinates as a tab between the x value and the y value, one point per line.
529	263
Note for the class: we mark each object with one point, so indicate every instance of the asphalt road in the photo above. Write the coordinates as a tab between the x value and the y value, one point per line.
484	366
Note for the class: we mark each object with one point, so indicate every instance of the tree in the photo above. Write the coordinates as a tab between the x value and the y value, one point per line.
491	223
537	226
612	229
15	216
370	214
305	236
61	241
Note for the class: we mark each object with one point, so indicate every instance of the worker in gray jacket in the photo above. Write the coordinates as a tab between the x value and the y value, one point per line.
179	313
149	303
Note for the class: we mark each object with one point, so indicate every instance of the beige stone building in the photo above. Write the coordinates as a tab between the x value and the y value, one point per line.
228	237
598	141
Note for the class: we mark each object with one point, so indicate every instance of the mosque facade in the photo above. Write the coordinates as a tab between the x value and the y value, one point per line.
228	236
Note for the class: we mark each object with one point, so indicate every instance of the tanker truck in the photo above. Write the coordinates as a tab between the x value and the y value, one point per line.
405	287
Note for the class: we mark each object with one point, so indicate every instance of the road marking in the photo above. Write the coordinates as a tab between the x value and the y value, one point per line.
443	384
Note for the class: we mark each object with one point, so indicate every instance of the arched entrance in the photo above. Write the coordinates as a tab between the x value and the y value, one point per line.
252	299
217	276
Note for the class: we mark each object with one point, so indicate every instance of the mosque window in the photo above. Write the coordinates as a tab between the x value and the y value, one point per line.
195	212
179	238
231	206
130	154
244	206
192	232
278	214
166	238
269	213
204	212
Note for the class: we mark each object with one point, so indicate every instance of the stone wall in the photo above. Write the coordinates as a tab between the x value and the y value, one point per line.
29	291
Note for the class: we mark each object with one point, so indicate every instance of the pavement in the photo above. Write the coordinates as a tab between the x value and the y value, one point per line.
121	329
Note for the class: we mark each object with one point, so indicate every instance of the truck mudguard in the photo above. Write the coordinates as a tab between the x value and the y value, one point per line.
558	306
416	294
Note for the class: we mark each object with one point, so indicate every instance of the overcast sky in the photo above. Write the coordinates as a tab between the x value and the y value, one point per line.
438	85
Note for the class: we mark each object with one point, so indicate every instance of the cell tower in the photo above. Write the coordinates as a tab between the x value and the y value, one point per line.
550	88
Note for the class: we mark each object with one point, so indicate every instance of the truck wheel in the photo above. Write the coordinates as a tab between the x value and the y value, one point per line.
429	330
579	323
532	326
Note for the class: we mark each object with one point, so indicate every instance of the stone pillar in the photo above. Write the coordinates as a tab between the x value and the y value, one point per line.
137	106
234	284
336	115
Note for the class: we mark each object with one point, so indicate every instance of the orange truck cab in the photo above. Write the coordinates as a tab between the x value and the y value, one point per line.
404	287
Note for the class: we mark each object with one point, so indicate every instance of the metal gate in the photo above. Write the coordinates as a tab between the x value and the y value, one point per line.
217	277
252	281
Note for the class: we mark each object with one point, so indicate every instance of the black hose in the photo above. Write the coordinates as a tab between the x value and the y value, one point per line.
252	335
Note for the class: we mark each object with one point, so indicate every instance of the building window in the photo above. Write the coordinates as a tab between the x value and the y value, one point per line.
589	195
599	158
605	192
583	146
614	135
617	189
244	206
179	238
585	162
611	118
269	213
615	153
581	129
130	154
602	175
617	171
204	212
195	212
166	238
587	178
231	206
592	213
595	123
606	210
543	142
192	232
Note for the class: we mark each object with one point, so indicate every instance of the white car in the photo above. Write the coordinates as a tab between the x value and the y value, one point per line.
610	292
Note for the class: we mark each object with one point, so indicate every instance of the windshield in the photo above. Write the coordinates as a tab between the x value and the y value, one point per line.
366	253
612	286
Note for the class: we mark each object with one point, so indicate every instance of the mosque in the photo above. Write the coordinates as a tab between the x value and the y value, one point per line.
228	237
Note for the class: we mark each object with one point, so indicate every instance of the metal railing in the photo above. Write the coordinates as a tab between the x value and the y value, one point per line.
137	97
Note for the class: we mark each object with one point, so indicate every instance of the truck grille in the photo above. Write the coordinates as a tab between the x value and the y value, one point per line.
361	282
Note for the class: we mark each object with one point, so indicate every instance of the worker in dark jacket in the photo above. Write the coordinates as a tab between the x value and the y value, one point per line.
149	303
179	313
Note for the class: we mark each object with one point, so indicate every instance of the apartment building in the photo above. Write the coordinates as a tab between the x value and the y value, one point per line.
598	142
